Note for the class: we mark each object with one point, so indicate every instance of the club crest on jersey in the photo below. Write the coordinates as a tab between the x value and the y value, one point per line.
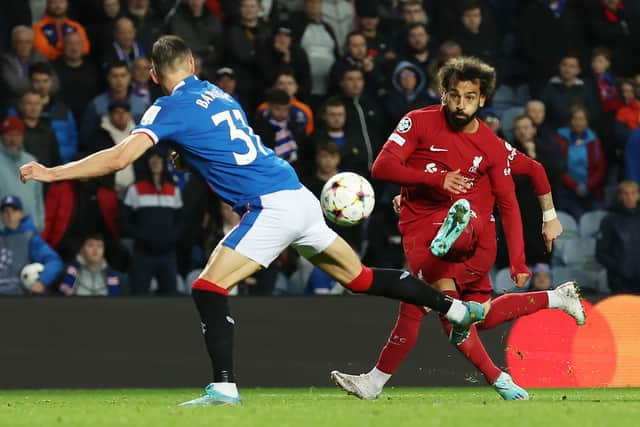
404	125
476	164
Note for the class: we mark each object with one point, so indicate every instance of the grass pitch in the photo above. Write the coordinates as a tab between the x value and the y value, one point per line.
449	407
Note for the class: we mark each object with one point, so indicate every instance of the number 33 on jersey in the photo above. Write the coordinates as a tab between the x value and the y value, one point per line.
208	128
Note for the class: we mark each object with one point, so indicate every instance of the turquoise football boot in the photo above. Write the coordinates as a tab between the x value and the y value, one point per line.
509	390
460	330
213	397
452	227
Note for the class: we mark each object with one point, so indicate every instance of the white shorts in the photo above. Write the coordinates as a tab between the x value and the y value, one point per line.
280	219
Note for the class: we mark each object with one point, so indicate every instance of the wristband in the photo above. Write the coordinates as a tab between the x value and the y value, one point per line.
549	215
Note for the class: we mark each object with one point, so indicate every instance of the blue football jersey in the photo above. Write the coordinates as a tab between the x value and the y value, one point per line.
212	135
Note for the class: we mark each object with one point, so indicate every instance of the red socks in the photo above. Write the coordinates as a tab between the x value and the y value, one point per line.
363	282
473	349
508	307
205	285
402	338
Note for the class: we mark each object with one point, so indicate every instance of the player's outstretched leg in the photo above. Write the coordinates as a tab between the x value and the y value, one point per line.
217	327
473	349
455	222
565	297
402	339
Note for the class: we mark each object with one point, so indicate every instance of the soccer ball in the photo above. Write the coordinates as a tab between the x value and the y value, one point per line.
30	274
347	199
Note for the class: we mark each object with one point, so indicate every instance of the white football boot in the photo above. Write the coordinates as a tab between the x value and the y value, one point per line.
569	297
360	386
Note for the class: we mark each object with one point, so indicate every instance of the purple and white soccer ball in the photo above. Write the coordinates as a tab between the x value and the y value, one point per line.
347	199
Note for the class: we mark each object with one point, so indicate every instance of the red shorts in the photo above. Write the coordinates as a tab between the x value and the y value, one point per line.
471	275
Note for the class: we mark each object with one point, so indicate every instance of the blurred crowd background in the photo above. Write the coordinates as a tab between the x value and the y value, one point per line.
323	83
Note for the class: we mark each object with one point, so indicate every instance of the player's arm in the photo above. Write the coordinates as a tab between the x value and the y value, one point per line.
504	190
525	165
98	164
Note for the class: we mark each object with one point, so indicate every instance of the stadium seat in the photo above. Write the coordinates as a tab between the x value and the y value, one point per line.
589	223
579	251
507	119
569	224
592	277
190	277
181	286
503	283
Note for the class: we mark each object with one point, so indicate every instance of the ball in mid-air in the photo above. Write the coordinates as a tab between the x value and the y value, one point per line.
347	199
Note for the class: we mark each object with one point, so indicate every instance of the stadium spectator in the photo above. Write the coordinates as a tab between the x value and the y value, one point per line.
149	24
618	245
475	37
225	79
21	245
54	111
39	138
549	29
276	130
100	29
318	40
12	156
545	133
364	121
340	15
141	81
119	80
609	25
14	65
244	38
53	27
357	55
79	76
89	274
447	50
379	44
416	47
632	156
628	116
299	112
115	126
492	119
201	30
566	90
541	277
584	165
407	91
124	44
153	204
280	54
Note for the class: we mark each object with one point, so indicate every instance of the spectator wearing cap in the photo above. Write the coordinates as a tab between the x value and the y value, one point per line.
21	245
54	111
244	38
124	44
279	54
201	30
358	55
14	65
318	40
618	245
115	126
407	91
150	215
39	138
12	156
89	274
300	114
51	29
274	127
225	79
79	76
119	81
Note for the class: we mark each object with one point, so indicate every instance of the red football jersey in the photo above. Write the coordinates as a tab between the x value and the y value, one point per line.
427	148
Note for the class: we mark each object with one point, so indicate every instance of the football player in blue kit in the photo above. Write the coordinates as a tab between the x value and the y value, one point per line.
213	138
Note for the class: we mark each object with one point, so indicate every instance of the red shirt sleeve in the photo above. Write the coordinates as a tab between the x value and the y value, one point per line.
504	190
526	166
390	165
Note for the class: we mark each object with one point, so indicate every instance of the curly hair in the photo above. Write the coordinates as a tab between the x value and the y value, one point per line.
467	68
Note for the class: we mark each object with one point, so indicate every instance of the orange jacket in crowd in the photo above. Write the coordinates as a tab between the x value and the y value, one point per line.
630	114
49	32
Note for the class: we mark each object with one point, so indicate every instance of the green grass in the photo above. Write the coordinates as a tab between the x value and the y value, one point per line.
447	407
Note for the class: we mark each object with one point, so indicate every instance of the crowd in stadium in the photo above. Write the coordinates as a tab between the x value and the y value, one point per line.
323	82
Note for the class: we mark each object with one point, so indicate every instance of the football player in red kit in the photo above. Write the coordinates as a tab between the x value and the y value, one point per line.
443	156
